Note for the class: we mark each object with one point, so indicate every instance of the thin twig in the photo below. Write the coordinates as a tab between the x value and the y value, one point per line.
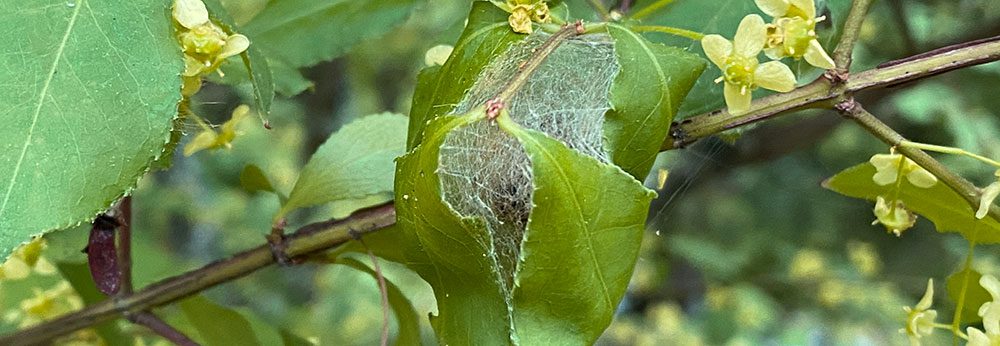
602	11
822	93
308	239
161	328
852	29
125	245
648	10
694	35
383	291
852	110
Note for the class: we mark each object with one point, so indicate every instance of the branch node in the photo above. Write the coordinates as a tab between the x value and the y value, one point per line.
846	107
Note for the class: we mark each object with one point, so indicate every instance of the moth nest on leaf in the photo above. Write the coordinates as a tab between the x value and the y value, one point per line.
486	173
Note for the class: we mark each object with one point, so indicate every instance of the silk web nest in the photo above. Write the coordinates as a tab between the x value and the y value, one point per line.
486	173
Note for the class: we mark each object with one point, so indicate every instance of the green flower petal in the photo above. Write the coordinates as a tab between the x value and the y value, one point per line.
737	99
750	36
717	49
774	75
190	13
773	8
816	56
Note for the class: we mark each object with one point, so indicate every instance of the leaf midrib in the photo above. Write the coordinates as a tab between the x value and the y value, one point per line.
38	107
665	94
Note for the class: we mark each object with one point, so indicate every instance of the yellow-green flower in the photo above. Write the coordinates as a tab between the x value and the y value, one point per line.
741	70
895	217
524	12
920	318
793	31
990	194
209	139
889	166
990	312
204	43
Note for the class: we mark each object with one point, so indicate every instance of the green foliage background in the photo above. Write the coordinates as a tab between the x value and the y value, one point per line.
742	244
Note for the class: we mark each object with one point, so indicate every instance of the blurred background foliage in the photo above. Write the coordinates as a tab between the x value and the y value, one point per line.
743	245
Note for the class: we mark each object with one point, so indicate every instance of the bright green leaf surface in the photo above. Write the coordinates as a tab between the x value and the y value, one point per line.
305	32
644	98
940	204
217	324
406	315
355	162
580	247
253	179
975	295
440	89
90	90
450	253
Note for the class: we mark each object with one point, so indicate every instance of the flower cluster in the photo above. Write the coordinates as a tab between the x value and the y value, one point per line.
990	312
990	194
791	34
525	12
205	44
889	168
920	318
208	138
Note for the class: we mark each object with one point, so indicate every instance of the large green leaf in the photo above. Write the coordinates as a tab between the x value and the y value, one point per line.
216	324
305	32
646	94
354	163
406	315
91	90
939	203
439	89
449	252
580	246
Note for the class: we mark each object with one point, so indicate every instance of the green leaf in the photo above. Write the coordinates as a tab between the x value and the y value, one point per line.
575	263
580	246
975	295
260	79
449	252
355	162
217	324
439	89
253	179
257	69
78	275
305	32
648	90
91	91
406	315
940	204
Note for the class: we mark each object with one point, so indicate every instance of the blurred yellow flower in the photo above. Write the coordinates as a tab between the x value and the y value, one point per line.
524	12
889	166
26	259
895	217
990	312
208	138
920	318
741	70
204	43
990	194
792	33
